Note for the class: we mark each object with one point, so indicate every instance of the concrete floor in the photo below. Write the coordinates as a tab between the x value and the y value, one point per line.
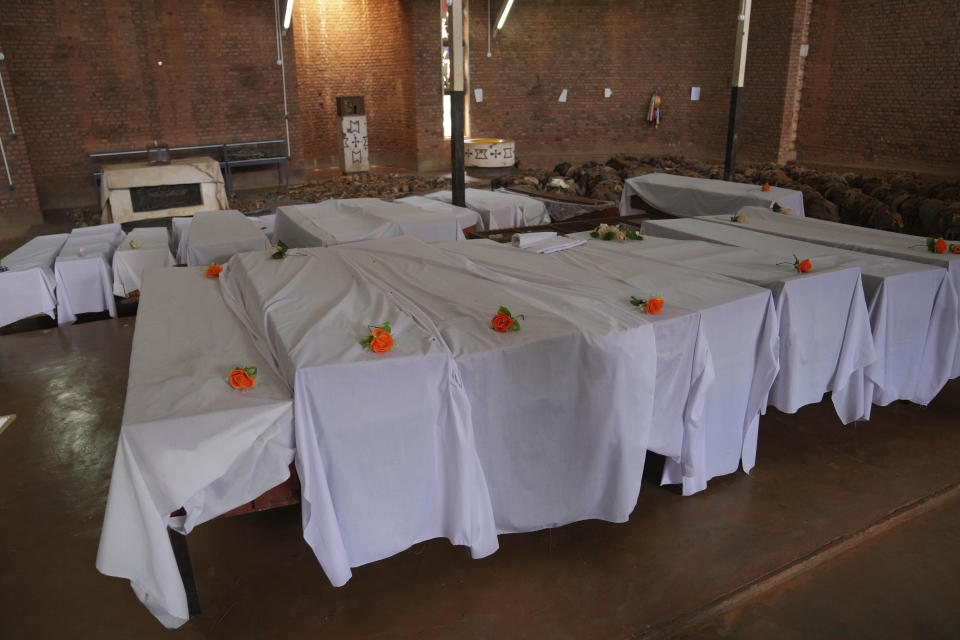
816	483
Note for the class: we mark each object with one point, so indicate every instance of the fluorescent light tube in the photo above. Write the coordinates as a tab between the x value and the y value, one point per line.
503	14
288	14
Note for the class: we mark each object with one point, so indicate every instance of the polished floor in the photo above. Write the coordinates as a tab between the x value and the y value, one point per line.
816	483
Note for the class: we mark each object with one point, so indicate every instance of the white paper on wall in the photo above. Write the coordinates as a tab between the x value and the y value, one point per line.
607	92
694	93
563	96
478	94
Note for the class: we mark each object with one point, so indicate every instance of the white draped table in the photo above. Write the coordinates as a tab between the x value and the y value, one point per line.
825	337
333	222
187	438
215	236
685	196
152	251
716	347
83	273
28	287
912	306
500	209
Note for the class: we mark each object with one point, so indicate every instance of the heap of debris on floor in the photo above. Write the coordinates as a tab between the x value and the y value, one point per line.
386	186
899	202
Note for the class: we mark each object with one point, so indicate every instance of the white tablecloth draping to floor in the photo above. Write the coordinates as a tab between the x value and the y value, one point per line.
153	251
466	217
215	236
187	438
913	308
825	339
500	209
704	428
83	274
333	222
684	196
385	445
29	287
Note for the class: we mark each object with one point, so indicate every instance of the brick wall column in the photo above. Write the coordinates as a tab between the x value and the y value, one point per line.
18	207
774	80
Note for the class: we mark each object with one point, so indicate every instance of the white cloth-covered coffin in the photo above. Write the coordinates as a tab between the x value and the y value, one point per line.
215	236
333	222
500	209
466	217
187	439
152	251
28	287
83	273
685	196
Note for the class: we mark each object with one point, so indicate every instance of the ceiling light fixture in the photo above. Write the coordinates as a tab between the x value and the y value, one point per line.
288	14
503	14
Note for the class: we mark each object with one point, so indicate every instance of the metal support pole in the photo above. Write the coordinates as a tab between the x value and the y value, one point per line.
178	542
457	104
6	104
6	166
736	89
456	148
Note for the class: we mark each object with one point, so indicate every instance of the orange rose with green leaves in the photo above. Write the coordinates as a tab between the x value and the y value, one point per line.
243	377
504	321
380	339
652	306
214	270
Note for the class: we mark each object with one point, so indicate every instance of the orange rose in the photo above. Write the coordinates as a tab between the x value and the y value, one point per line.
955	248
213	271
654	306
940	246
240	379
502	322
381	342
805	266
766	187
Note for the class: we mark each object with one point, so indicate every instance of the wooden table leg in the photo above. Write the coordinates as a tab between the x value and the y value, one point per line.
179	543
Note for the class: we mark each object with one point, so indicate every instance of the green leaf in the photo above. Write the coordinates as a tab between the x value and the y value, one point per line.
610	235
637	301
594	234
385	326
505	310
516	325
777	208
252	371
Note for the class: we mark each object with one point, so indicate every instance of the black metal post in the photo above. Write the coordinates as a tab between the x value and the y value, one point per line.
733	135
456	148
179	543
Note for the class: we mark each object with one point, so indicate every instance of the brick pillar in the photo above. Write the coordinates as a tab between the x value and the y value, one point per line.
19	206
774	80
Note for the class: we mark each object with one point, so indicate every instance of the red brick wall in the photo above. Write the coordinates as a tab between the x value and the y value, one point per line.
18	206
632	47
350	48
433	151
86	79
881	87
